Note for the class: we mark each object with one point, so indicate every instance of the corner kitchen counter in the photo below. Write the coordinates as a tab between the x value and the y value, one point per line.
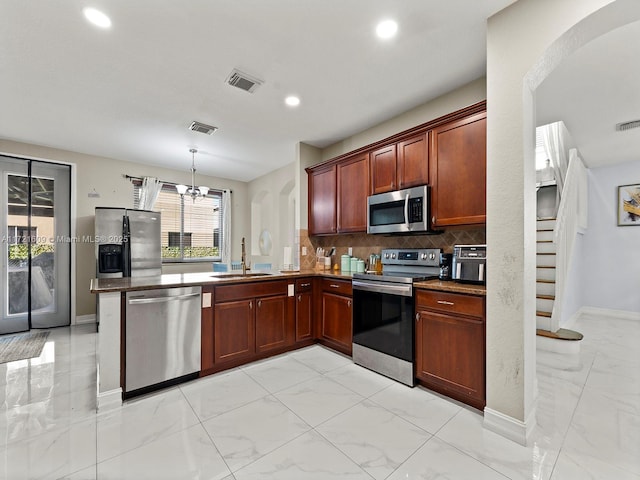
129	284
110	313
450	286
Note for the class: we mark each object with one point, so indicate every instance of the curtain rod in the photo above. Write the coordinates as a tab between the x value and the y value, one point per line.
131	177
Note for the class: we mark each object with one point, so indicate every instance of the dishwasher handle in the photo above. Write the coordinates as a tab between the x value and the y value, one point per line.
142	300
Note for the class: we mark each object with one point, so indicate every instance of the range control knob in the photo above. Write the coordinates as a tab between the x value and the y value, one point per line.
393	256
423	256
432	256
386	255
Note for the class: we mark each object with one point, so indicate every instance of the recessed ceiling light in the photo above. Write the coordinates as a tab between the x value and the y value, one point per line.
292	101
96	17
386	29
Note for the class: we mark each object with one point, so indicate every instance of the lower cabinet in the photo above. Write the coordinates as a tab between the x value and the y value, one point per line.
206	329
272	329
248	321
450	345
234	331
304	309
336	309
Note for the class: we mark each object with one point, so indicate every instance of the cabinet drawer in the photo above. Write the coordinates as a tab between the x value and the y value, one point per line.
250	290
339	287
304	285
450	302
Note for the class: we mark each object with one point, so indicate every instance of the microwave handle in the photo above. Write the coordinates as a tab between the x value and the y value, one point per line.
406	211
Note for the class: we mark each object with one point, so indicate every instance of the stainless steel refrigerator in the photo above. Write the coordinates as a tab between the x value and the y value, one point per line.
127	243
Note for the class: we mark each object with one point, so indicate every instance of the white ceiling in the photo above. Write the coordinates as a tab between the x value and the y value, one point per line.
593	90
132	91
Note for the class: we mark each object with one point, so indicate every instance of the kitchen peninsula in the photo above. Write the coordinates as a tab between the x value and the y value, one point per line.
257	315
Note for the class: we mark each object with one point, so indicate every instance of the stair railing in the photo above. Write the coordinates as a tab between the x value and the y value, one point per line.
571	219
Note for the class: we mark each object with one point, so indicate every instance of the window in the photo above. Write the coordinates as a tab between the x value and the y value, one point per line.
198	224
20	234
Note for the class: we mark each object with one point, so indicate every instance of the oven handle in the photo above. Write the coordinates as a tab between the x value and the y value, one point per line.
379	287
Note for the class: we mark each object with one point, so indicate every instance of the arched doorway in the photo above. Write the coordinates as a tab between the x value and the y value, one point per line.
525	42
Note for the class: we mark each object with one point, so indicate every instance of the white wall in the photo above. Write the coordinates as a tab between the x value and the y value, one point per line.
611	255
464	96
272	199
574	295
105	175
525	42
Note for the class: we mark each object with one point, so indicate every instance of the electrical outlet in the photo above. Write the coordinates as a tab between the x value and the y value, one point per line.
304	251
350	252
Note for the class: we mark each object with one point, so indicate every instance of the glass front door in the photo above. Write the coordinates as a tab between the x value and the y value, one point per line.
36	254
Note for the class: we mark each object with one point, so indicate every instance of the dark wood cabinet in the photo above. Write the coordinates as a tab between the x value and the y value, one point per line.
251	319
450	345
336	324
234	332
272	329
206	333
413	162
353	190
384	169
448	153
401	165
458	172
322	201
304	310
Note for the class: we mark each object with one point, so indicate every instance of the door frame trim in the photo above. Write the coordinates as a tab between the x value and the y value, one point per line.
73	217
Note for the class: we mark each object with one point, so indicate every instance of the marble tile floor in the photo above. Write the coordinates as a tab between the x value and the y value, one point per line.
313	414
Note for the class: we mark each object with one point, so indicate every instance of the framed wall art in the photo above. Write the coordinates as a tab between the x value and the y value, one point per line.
629	205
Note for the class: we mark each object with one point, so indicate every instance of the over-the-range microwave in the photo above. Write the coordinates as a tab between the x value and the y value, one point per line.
401	211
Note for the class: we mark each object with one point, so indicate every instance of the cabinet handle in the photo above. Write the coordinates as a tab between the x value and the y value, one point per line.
259	303
417	317
333	285
305	285
299	298
444	302
250	304
348	303
433	219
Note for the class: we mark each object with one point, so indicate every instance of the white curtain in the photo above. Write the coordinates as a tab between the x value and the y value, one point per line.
149	192
555	138
226	228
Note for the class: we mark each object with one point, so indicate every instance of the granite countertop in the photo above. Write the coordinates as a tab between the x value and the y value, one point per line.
450	286
105	285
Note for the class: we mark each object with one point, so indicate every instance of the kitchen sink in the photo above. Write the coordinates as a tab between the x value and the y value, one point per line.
240	275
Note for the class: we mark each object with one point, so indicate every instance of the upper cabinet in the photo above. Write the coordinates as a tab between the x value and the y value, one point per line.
338	197
353	190
322	201
384	163
458	172
448	153
401	165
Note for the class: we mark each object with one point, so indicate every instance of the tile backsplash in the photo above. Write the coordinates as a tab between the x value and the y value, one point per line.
363	245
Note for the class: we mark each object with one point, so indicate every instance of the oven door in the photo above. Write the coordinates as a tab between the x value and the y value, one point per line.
383	317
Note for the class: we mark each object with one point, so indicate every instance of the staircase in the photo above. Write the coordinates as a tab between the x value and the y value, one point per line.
545	273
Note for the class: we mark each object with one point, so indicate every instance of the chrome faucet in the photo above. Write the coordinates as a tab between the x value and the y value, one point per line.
244	258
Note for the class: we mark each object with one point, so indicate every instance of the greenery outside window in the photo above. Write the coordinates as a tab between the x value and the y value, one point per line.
191	230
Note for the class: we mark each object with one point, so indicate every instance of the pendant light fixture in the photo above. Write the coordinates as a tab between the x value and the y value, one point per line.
192	191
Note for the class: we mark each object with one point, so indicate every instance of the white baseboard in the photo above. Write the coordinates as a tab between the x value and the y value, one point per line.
609	312
82	319
509	427
109	400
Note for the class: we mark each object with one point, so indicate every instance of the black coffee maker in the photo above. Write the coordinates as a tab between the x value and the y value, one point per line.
445	266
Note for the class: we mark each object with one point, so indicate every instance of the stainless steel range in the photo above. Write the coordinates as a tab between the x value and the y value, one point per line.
383	327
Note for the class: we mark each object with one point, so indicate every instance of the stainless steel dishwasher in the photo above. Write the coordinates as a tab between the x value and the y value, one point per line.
162	338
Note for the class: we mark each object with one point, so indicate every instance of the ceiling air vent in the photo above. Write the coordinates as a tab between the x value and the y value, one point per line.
243	81
621	127
202	128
